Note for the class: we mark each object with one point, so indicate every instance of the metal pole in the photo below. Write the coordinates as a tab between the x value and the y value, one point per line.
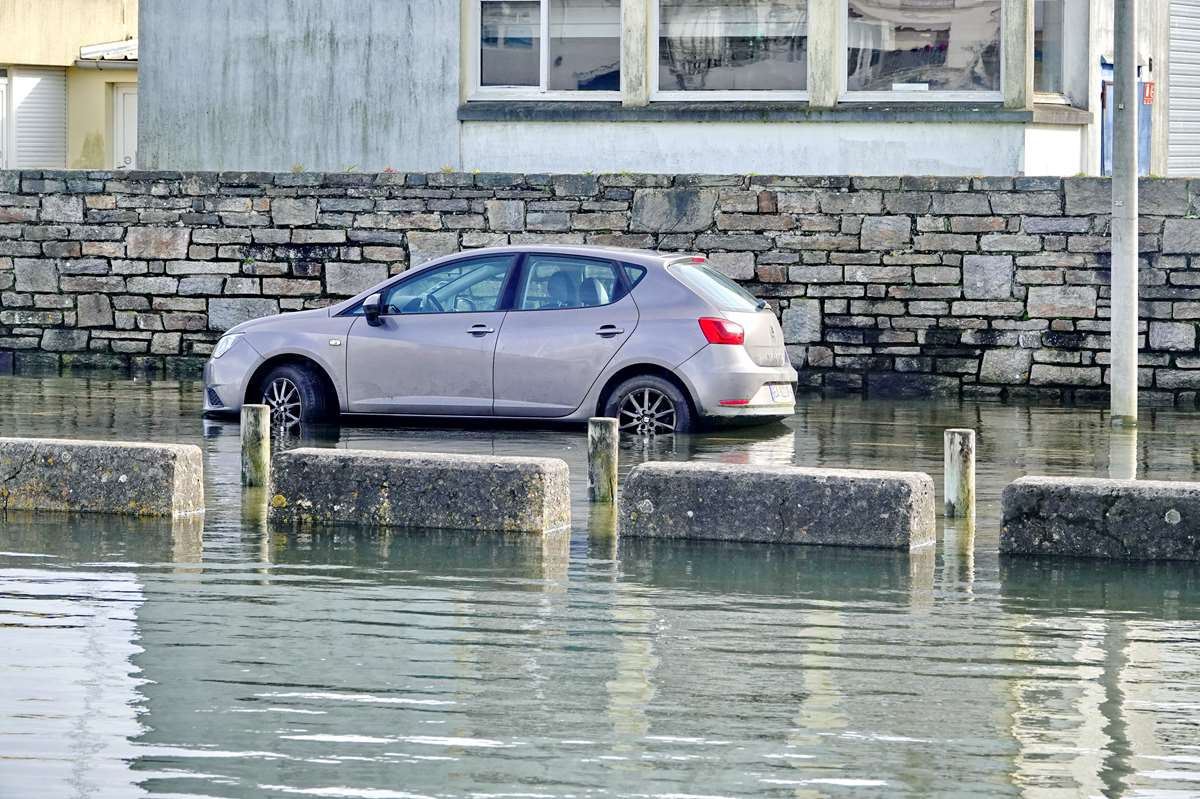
256	445
602	459
959	474
1124	348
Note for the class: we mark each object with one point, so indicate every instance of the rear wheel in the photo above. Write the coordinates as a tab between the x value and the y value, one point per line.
649	405
296	395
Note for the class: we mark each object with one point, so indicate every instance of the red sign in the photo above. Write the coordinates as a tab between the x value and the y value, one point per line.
1148	93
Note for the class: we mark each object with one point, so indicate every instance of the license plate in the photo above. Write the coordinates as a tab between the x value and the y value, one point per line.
782	392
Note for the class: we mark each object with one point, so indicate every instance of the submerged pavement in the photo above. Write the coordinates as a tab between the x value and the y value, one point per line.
140	661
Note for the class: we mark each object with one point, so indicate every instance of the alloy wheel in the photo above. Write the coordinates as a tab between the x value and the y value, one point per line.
647	412
284	400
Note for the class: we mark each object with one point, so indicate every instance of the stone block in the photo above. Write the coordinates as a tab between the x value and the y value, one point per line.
36	274
802	322
988	277
293	211
1181	236
895	385
101	477
1088	196
886	232
348	279
62	340
1062	302
93	310
1044	374
62	208
505	214
1006	366
1095	518
1177	336
227	312
673	210
311	486
425	247
778	504
737	265
157	243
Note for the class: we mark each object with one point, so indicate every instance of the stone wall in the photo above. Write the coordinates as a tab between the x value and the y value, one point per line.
905	286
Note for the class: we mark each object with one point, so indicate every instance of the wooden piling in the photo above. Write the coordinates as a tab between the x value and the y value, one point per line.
603	437
256	445
959	482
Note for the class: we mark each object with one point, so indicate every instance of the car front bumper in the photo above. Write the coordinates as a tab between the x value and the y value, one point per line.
226	378
727	385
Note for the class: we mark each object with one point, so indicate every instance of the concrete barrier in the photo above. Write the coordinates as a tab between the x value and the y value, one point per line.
779	504
411	489
101	477
1093	518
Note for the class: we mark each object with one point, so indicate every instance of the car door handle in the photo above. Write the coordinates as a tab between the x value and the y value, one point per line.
608	331
480	330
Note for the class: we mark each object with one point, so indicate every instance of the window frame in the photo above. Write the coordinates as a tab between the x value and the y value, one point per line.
477	91
1054	98
522	277
506	288
845	95
682	95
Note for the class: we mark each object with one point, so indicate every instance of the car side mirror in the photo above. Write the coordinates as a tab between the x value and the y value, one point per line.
372	310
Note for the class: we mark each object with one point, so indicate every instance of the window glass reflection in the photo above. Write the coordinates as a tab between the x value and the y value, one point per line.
733	45
585	45
1048	30
923	45
510	43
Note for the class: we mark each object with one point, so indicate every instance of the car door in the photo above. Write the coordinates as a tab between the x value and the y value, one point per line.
432	352
570	316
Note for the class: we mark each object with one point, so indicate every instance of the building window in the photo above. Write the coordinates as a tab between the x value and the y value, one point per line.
1049	46
731	48
916	49
547	48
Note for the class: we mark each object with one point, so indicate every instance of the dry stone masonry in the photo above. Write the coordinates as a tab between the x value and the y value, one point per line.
900	286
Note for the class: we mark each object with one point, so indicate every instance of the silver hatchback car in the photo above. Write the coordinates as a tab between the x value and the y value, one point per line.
661	342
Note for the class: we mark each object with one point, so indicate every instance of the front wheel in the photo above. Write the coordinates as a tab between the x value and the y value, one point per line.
295	396
648	405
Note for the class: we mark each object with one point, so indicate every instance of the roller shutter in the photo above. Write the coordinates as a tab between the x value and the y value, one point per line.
1184	95
39	104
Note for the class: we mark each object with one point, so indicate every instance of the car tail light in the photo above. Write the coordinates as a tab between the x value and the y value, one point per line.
722	331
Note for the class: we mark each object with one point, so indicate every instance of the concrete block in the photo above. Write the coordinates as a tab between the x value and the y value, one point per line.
409	489
1094	518
779	504
101	477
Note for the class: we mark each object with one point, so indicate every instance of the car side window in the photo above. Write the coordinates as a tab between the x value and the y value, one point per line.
554	282
470	286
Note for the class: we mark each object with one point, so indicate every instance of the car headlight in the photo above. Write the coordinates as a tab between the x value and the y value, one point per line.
225	345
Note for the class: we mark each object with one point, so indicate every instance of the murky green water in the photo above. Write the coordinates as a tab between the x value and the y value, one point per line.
134	662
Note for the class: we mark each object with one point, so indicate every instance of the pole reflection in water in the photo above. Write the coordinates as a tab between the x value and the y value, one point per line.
355	663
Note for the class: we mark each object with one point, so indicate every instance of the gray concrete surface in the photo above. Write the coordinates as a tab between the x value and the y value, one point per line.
1095	518
779	504
312	486
100	477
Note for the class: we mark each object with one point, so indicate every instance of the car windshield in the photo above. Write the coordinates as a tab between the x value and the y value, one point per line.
715	287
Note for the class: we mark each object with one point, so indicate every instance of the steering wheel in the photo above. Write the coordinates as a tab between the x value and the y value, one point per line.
434	303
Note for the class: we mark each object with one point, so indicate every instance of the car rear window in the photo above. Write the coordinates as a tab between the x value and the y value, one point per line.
714	287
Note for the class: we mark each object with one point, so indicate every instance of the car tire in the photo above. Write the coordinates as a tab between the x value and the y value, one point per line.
639	406
296	395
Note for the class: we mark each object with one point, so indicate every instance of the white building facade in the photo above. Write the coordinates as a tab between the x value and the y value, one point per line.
866	87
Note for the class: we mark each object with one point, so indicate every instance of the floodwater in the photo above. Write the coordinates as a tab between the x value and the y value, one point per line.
136	661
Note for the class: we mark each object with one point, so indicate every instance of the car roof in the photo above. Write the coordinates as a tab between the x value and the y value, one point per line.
629	254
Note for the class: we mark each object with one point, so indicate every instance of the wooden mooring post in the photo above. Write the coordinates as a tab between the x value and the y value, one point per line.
959	481
603	437
256	445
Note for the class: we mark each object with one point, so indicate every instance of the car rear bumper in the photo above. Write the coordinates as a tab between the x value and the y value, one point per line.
727	385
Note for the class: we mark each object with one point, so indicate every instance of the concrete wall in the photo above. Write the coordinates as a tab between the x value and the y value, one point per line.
276	84
909	286
50	32
808	148
90	115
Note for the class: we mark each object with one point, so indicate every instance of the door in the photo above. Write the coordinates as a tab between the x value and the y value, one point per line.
433	351
3	118
125	115
570	317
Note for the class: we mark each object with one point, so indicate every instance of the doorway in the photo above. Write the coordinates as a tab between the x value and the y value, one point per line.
125	103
